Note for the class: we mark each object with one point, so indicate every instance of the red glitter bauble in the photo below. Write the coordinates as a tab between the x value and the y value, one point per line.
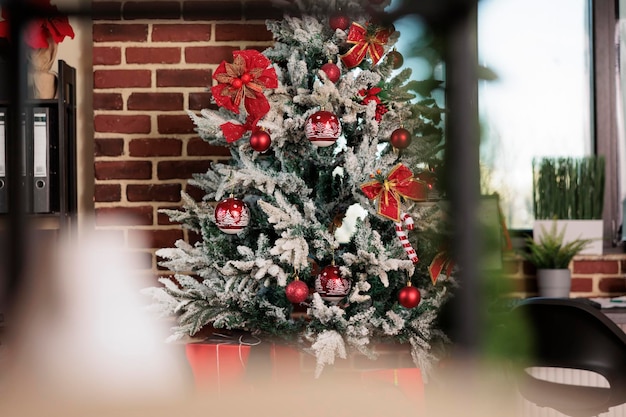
297	291
339	21
232	215
332	71
400	138
409	297
322	128
260	141
396	58
330	285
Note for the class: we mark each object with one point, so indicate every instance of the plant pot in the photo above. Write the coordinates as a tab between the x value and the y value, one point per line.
555	283
575	229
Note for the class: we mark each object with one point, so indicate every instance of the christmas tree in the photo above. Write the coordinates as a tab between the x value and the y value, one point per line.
323	121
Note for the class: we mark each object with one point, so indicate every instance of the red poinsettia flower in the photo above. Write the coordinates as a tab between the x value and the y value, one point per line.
372	95
38	31
244	80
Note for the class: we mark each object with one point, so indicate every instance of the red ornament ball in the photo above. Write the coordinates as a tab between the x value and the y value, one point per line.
400	138
232	215
260	141
322	128
332	71
297	291
396	58
236	83
409	297
339	21
330	285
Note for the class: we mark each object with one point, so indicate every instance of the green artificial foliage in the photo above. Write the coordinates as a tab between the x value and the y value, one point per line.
568	188
550	252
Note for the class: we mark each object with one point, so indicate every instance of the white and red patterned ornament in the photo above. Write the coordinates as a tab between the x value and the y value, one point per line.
260	140
232	215
322	128
409	296
330	285
297	291
332	71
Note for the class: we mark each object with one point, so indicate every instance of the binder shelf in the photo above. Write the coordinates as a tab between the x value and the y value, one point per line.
46	135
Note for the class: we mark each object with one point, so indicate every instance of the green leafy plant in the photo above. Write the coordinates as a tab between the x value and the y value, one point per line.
550	252
569	188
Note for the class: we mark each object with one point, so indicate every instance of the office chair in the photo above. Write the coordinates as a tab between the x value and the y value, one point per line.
572	333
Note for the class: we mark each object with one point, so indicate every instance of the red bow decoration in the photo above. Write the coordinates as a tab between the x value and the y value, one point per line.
234	131
441	261
366	40
38	31
398	183
244	80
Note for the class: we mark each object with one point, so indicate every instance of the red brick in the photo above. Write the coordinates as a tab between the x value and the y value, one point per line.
124	216
150	10
612	285
109	147
261	10
183	78
199	147
155	101
225	32
194	192
116	32
160	238
209	54
155	147
118	123
180	123
153	192
116	170
121	78
107	193
582	284
170	170
142	260
106	10
193	237
107	55
201	100
596	267
108	101
215	10
153	55
181	32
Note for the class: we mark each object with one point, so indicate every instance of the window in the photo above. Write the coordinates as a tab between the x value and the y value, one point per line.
541	101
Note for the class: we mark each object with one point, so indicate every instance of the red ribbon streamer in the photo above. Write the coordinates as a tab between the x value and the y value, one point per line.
398	183
440	262
366	41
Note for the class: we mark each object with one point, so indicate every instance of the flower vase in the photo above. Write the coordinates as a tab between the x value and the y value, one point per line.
42	81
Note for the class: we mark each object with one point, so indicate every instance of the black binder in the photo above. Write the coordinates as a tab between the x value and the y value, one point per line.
4	200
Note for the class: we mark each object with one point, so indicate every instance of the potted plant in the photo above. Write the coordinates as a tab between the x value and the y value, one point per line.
551	256
570	190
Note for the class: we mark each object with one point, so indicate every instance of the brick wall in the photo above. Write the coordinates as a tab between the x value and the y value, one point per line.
592	275
153	61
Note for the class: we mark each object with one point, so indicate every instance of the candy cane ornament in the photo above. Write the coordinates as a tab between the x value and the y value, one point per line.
407	221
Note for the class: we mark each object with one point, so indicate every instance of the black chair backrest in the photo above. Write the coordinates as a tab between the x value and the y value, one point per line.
571	333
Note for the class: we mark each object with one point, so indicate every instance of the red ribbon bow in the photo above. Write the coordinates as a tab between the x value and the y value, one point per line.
441	261
244	81
398	183
366	40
